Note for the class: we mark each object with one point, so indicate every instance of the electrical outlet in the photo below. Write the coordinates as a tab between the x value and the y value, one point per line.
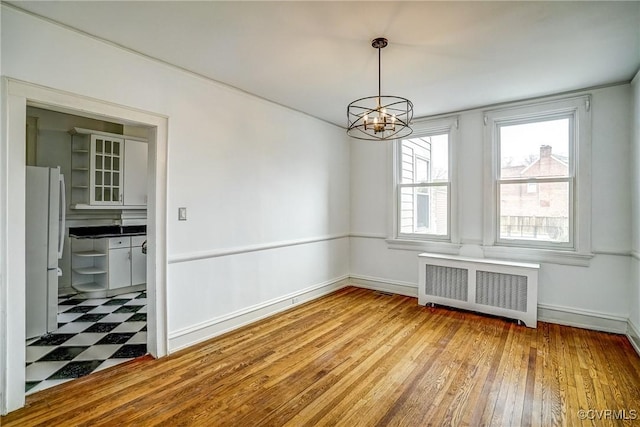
182	214
295	300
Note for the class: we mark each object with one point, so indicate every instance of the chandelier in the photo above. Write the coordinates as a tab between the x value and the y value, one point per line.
379	118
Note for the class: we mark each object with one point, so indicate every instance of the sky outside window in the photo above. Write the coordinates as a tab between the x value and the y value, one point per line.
520	144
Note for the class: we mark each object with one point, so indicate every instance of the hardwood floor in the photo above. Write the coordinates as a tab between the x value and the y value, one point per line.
361	358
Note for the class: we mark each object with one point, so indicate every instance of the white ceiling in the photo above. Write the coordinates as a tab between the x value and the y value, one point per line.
316	57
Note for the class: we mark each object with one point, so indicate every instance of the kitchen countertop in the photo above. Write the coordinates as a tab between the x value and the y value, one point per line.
105	231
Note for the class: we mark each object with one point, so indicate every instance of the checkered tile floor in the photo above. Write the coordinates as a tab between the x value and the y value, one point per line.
92	334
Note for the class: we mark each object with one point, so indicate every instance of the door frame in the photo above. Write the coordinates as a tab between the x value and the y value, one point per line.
16	95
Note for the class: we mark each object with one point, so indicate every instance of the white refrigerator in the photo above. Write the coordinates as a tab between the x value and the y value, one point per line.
45	225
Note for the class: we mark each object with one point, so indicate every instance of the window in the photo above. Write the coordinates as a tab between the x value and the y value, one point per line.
423	182
535	181
538	174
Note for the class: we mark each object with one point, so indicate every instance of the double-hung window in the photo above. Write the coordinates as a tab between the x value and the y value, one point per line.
538	176
423	182
536	181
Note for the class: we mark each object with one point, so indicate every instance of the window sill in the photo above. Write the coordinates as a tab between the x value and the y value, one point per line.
538	255
424	246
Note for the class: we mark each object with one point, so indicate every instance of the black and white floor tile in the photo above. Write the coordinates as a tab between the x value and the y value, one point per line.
93	334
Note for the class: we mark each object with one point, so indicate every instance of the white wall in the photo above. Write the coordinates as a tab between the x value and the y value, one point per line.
600	292
252	175
634	300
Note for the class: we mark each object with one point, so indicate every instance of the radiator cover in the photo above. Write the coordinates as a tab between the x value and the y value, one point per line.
502	288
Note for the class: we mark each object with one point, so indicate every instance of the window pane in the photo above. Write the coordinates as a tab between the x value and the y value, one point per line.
539	149
407	166
423	210
422	170
539	213
425	159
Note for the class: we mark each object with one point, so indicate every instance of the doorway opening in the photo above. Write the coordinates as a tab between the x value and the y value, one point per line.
20	96
85	252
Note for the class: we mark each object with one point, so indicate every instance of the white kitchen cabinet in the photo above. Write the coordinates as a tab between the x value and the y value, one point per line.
105	176
135	172
119	268
127	263
119	262
108	171
96	169
106	264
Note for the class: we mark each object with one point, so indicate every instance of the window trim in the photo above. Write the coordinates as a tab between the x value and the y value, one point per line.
447	243
579	251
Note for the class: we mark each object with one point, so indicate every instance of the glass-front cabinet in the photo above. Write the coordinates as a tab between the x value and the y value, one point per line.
99	162
106	170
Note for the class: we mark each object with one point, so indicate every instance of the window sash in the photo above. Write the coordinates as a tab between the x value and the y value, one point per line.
545	244
423	236
402	156
536	118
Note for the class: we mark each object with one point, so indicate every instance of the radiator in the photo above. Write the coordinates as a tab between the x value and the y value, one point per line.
502	288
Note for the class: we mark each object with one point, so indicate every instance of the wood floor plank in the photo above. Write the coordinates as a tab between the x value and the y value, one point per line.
517	387
361	358
495	405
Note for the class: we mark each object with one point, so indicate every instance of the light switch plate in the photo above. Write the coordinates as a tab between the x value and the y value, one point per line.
182	214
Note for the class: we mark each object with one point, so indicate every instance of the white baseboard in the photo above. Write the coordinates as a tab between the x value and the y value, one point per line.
585	319
212	328
384	285
567	316
546	313
633	334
